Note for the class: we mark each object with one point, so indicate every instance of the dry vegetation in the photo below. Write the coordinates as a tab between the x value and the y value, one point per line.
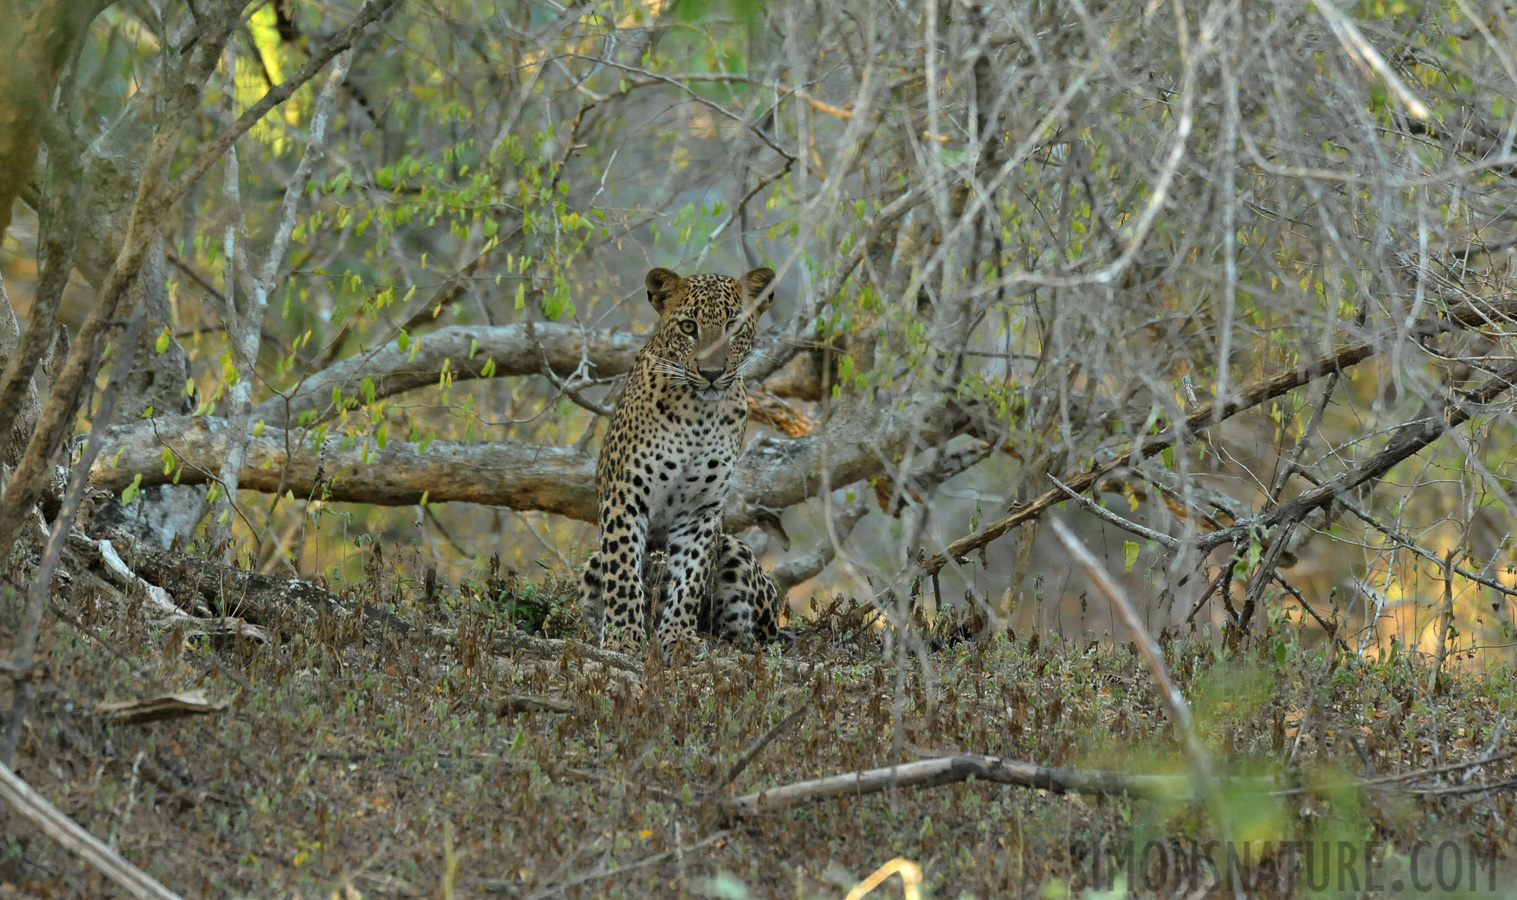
405	761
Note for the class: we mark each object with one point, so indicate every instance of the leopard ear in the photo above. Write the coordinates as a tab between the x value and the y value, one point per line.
756	289
663	285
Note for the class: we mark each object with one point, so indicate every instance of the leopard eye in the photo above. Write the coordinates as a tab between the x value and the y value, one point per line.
688	327
732	322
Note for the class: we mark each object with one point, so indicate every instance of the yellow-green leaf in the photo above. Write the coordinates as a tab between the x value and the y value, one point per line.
130	492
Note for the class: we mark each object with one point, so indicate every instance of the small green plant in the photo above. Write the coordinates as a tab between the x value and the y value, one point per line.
547	609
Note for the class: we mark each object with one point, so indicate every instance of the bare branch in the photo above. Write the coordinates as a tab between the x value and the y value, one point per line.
962	767
502	473
34	808
1203	417
1436	420
1110	517
1464	315
792	572
249	325
371	11
1169	691
469	351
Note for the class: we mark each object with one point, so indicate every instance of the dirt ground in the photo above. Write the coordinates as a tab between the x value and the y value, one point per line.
434	742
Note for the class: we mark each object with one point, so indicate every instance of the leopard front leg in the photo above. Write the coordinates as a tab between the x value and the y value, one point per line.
623	542
693	544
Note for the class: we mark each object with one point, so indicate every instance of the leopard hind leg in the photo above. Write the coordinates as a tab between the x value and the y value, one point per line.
745	602
592	596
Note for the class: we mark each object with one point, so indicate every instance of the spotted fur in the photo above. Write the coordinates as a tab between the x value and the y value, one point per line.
665	468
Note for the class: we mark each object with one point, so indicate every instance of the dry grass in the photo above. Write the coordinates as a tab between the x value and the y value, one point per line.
389	769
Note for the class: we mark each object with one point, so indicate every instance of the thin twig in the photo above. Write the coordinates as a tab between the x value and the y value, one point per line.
369	13
1374	522
246	328
1301	599
961	767
1464	315
1107	515
1202	417
764	740
1169	691
1431	424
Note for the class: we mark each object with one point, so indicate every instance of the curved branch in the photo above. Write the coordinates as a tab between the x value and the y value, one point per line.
520	349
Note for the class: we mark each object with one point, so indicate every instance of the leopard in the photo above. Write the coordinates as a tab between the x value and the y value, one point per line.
664	471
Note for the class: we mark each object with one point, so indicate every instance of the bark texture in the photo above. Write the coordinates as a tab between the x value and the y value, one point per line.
35	45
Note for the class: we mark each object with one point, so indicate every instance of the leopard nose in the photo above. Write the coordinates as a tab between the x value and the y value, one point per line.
711	375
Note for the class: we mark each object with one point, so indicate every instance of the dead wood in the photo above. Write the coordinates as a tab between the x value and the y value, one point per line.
758	746
468	351
1435	419
156	709
858	439
767	409
31	806
517	644
206	586
962	767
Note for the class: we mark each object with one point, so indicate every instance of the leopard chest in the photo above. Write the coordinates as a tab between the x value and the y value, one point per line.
670	455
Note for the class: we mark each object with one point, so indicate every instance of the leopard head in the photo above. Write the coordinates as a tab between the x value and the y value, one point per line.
706	327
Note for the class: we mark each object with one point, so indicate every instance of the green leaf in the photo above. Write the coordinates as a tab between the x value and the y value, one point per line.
163	340
1129	554
130	492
